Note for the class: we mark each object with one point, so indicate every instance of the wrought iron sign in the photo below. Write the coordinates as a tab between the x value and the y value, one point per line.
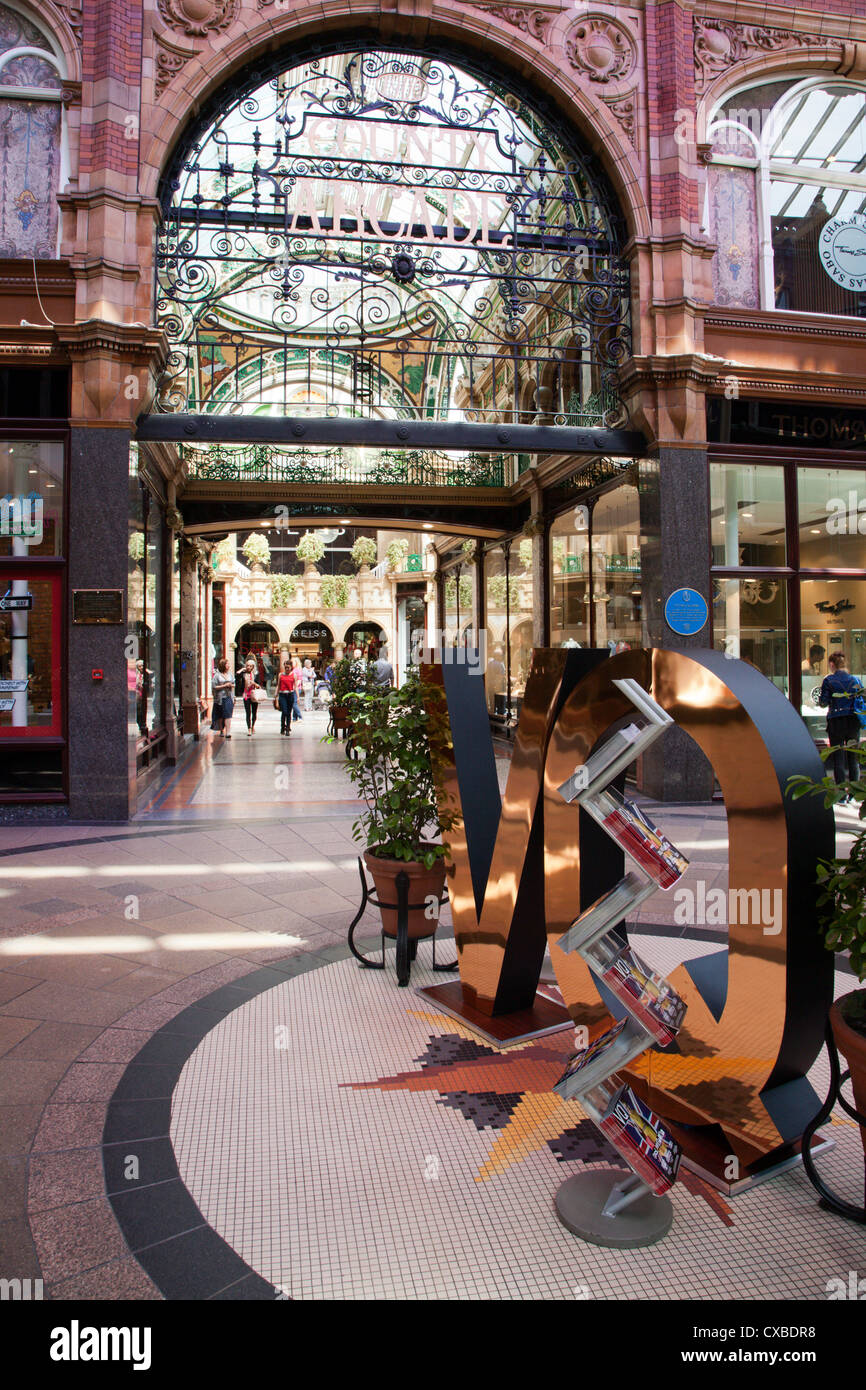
377	234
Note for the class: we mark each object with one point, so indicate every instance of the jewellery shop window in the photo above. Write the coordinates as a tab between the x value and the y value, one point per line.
31	617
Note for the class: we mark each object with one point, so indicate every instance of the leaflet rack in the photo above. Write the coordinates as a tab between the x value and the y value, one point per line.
599	1205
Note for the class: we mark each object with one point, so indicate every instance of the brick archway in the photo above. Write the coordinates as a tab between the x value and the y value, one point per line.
455	29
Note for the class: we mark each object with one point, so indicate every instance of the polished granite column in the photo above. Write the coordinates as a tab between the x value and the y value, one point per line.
675	554
99	781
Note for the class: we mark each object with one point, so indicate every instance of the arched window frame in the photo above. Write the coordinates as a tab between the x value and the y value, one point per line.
766	168
55	57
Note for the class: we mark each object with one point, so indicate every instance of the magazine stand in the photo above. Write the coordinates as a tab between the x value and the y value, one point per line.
602	1206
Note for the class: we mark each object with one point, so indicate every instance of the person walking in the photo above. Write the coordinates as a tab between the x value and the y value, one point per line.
286	697
251	684
308	684
222	685
839	691
383	671
296	689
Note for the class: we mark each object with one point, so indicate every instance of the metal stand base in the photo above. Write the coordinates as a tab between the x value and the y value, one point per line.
640	1219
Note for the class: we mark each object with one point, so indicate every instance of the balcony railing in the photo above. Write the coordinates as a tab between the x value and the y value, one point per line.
265	463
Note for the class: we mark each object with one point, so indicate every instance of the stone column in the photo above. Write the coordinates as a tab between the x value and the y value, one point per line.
189	596
101	782
675	554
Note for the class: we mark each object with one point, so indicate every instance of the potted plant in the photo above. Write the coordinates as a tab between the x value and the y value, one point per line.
402	736
256	551
396	554
283	590
311	548
350	679
842	918
364	552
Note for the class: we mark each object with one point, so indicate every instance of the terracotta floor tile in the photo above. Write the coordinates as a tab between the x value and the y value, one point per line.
11	985
65	1003
75	1125
12	1030
88	1081
120	1280
72	1239
54	1040
58	1179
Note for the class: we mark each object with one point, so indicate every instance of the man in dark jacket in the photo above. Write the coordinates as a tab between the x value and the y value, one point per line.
838	694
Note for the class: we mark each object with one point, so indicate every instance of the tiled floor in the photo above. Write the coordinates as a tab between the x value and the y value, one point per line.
349	1142
328	1178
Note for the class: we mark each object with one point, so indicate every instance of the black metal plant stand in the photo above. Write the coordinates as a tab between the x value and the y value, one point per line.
407	948
829	1201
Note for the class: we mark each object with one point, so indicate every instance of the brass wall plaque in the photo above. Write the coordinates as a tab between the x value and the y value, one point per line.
97	605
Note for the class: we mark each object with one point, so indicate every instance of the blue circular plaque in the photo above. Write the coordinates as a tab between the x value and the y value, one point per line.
686	612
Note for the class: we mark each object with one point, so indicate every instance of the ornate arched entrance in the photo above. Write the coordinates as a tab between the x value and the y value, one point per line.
383	269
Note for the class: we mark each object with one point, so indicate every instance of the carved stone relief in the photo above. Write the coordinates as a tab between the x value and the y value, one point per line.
601	48
719	44
198	17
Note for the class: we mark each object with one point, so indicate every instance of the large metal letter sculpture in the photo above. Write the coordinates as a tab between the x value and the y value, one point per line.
756	1012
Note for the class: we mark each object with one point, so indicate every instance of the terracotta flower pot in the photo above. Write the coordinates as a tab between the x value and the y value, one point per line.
852	1046
341	717
423	883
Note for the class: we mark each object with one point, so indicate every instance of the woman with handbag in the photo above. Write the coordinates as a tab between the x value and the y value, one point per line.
251	697
285	697
223	699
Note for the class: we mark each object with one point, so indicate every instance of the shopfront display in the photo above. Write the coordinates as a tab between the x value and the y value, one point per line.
32	633
788	545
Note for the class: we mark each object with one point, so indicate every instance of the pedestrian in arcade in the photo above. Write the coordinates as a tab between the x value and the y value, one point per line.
285	700
223	699
839	691
296	689
308	684
251	685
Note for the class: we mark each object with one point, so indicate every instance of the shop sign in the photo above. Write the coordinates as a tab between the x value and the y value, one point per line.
842	248
808	425
6	706
22	517
7	686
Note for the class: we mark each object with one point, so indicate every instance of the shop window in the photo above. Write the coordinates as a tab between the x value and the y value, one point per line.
31	498
805	141
30	657
750	621
833	619
617	592
832	516
747	515
569	579
145	611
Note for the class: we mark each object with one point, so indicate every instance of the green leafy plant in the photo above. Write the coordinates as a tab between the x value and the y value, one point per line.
364	552
524	550
496	591
465	591
256	550
283	590
469	547
350	678
396	553
842	884
402	737
225	553
311	548
335	591
135	545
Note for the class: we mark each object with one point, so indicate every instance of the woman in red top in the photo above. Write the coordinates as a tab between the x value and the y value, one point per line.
286	697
